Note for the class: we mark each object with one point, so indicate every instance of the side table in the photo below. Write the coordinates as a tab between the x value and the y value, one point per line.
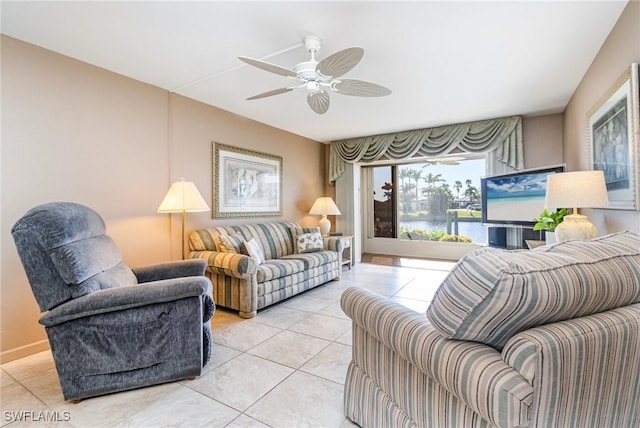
347	253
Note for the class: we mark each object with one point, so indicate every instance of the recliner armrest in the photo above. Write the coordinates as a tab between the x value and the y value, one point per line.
176	269
127	297
231	264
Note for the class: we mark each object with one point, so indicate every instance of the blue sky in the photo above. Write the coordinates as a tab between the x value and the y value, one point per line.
524	185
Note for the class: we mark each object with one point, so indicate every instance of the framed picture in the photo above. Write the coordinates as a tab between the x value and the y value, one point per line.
613	140
246	183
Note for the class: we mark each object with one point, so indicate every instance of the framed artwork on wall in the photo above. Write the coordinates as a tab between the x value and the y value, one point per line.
246	183
614	141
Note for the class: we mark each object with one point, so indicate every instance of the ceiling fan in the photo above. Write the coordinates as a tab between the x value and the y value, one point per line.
320	77
444	161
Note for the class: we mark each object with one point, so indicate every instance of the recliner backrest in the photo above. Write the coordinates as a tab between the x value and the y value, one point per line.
66	254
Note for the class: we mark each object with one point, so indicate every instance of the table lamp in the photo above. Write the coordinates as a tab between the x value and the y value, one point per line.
324	206
578	189
183	197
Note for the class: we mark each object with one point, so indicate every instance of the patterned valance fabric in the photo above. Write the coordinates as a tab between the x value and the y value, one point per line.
504	136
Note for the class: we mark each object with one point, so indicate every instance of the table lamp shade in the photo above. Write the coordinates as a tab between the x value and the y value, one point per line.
324	206
183	196
579	189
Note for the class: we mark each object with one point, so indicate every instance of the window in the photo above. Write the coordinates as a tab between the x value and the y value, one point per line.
436	200
384	202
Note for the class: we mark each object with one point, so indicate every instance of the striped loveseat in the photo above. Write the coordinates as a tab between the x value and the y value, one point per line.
246	283
543	338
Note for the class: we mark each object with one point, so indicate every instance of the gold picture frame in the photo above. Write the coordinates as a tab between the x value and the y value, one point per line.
246	183
614	124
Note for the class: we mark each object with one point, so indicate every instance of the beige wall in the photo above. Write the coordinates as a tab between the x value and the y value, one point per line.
542	140
621	48
75	132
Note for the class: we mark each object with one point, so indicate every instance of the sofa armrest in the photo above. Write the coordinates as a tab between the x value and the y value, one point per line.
473	372
333	243
231	264
177	269
127	297
588	362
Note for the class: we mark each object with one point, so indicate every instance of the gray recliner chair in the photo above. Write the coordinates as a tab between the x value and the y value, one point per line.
111	328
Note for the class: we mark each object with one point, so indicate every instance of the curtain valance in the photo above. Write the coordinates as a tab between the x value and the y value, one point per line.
504	136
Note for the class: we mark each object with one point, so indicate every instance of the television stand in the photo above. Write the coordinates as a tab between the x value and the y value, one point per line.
512	237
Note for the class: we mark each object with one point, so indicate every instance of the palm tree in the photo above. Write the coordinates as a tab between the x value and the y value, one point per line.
445	189
457	185
405	195
471	192
415	175
402	175
431	180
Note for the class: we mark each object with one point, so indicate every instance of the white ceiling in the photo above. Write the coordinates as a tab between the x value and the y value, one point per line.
446	62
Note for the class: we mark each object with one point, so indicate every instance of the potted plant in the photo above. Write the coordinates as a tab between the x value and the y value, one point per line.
548	221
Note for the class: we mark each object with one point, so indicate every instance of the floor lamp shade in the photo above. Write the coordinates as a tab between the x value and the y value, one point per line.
324	206
578	189
183	197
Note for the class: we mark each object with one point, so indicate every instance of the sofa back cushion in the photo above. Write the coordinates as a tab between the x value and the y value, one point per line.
492	294
275	239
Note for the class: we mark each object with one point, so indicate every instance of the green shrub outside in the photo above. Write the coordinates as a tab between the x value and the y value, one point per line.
431	235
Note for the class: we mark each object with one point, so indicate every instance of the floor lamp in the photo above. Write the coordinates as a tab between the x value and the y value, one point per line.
183	197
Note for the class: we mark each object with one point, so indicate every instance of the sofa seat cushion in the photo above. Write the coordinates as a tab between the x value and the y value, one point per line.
294	263
491	294
312	260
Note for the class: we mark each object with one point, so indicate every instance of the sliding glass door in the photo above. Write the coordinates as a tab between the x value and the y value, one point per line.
429	208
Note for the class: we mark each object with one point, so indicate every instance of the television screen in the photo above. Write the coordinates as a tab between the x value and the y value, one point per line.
515	198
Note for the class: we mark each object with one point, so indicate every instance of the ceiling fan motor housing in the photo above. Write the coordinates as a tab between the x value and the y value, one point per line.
306	70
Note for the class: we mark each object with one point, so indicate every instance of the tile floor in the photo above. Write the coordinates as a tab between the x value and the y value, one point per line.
283	368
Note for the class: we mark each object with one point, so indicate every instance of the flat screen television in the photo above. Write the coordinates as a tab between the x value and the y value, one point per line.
515	198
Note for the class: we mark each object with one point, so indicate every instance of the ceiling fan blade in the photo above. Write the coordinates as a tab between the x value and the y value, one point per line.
268	67
270	93
359	88
448	162
340	62
318	101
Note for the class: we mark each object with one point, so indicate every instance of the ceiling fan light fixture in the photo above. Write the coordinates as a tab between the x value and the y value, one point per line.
312	86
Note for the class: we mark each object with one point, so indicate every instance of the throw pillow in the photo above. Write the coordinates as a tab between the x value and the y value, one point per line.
252	249
230	244
309	242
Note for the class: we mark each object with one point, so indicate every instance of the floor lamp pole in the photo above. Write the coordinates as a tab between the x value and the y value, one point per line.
183	215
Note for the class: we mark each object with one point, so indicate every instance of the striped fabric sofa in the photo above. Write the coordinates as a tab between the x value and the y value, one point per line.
542	338
247	284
